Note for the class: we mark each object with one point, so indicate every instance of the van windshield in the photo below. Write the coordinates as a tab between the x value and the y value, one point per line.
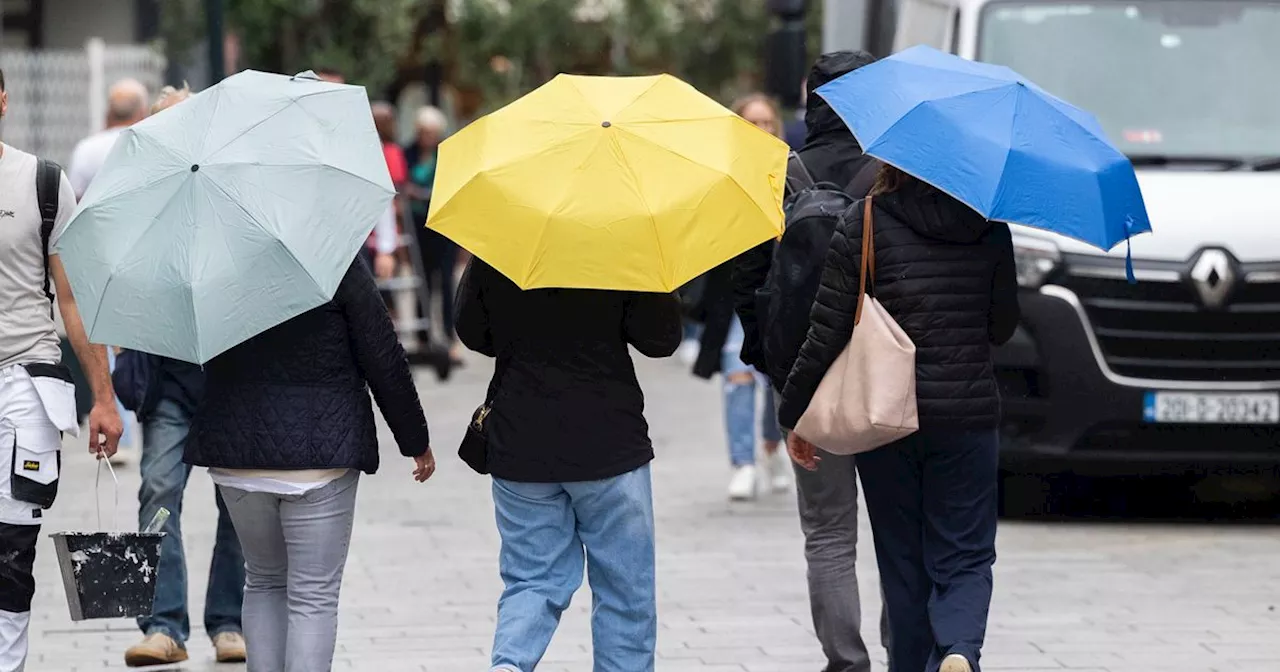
1175	79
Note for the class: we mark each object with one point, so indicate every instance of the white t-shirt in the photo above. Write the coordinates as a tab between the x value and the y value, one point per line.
88	156
284	482
27	331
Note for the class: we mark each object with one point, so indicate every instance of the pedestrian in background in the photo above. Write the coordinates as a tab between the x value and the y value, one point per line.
166	422
37	397
439	254
385	239
946	275
127	103
828	497
285	428
569	452
720	352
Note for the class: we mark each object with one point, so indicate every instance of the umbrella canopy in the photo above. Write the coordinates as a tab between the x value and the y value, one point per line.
226	215
995	141
624	183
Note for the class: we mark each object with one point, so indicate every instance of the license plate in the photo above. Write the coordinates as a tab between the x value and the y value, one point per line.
1212	408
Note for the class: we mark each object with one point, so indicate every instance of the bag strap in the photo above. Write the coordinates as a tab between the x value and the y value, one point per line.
48	183
868	257
798	174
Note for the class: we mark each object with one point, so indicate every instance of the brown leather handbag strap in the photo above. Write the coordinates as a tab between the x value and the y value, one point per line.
868	258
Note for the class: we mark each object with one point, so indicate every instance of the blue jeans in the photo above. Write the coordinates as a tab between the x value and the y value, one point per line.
548	530
164	477
932	502
740	402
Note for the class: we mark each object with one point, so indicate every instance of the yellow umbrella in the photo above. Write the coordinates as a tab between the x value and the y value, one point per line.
627	183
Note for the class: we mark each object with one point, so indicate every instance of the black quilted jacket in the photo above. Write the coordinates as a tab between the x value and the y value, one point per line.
297	396
946	275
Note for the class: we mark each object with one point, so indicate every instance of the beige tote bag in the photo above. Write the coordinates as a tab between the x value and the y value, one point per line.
868	397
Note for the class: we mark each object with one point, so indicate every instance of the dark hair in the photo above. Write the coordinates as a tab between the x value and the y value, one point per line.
327	71
889	179
1	79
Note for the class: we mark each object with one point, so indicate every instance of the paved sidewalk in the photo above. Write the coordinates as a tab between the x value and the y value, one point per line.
421	581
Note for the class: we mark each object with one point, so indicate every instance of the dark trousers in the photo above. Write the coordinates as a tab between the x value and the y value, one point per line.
439	256
17	557
932	502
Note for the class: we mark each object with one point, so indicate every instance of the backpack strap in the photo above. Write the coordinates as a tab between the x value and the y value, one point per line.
864	179
868	257
798	176
48	184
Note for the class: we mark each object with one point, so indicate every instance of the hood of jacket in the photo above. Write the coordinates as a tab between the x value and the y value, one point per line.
822	122
933	213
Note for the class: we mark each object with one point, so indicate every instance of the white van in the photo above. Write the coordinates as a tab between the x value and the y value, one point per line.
1182	370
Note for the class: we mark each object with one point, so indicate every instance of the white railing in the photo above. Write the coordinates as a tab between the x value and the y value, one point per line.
57	97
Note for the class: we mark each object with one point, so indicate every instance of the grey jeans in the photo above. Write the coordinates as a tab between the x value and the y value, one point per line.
295	548
829	520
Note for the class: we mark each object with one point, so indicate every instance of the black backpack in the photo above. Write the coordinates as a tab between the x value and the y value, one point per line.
48	183
812	211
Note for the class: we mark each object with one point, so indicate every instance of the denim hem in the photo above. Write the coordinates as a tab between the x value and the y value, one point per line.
234	629
182	642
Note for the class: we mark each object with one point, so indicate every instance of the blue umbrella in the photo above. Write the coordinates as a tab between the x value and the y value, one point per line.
995	141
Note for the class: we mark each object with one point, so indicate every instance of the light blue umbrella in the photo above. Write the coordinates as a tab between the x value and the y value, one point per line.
226	215
995	141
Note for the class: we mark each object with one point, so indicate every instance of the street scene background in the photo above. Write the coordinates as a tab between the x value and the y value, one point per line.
421	583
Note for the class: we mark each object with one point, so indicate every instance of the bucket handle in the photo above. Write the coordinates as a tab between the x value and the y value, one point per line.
115	490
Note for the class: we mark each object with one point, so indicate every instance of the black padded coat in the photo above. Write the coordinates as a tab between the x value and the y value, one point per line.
947	277
297	396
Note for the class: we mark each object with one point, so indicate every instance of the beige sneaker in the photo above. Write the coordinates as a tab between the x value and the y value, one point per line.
955	663
229	647
157	649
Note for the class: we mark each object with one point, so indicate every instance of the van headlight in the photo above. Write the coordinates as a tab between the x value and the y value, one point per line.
1035	258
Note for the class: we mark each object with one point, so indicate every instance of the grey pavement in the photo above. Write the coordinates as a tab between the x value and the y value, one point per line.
422	581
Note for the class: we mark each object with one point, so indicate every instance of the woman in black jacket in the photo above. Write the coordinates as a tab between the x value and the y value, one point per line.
569	451
947	277
286	427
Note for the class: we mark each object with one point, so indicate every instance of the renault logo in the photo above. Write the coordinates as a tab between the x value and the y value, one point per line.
1213	276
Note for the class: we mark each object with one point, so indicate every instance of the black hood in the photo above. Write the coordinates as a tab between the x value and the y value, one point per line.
933	213
821	121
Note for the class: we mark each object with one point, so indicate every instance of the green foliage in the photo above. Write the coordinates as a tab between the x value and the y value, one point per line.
716	45
500	48
365	39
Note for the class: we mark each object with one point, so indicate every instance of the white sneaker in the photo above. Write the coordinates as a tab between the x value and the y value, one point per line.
743	484
955	663
779	466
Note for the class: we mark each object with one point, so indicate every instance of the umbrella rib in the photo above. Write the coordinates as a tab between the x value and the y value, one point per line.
635	179
130	190
269	117
304	165
249	216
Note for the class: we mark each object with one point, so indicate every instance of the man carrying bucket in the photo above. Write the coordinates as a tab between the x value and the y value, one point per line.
37	398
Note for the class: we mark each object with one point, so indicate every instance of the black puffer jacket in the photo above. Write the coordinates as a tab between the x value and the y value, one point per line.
297	396
566	402
946	275
832	155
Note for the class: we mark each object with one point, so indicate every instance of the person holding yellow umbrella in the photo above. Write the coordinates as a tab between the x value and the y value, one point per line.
586	204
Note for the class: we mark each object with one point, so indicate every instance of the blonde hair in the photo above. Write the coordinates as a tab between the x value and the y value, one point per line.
170	96
740	105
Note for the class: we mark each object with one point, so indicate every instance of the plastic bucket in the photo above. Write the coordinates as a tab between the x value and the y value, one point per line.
108	574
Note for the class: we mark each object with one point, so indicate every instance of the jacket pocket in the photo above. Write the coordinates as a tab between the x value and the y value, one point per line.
37	460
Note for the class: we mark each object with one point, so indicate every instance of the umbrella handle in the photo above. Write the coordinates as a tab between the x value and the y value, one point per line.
116	489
